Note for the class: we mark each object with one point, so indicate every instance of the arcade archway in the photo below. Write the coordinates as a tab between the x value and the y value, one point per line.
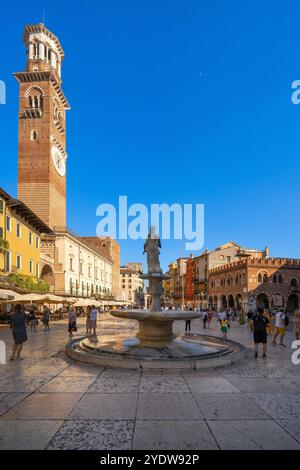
230	301
223	301
47	275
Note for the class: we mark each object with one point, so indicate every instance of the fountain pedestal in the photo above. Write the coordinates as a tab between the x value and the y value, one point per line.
155	328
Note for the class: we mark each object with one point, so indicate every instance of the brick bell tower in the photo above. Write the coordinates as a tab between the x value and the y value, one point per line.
42	128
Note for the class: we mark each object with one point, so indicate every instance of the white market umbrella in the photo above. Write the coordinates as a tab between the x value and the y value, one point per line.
6	294
87	303
52	299
25	299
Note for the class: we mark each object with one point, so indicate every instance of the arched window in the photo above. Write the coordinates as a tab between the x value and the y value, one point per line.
228	281
236	279
280	279
294	282
265	278
35	101
259	278
33	135
275	279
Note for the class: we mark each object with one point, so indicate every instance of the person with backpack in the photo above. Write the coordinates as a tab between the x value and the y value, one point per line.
260	323
72	316
46	318
204	318
281	323
32	319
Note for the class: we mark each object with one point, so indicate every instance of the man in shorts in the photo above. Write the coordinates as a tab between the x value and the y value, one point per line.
260	323
280	327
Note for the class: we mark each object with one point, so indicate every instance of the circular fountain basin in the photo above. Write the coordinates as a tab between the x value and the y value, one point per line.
155	345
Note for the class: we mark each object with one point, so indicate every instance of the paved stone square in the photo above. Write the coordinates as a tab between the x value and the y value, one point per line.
48	401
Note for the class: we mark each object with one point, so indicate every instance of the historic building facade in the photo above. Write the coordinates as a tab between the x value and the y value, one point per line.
189	276
69	263
268	282
20	237
132	285
177	284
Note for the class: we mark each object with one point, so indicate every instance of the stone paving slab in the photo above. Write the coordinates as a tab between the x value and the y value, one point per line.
105	406
252	434
81	370
284	406
68	384
292	426
8	400
25	383
115	385
228	406
93	435
167	406
266	385
152	382
210	385
44	406
27	434
173	434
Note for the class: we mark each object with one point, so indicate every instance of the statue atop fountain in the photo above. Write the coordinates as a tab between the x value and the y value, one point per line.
155	275
151	247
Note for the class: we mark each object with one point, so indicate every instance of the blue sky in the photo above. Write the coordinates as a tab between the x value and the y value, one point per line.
200	88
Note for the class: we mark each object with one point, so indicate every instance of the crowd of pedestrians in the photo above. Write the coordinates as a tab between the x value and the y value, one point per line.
262	323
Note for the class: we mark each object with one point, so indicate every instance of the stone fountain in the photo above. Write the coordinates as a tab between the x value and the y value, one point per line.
155	325
155	344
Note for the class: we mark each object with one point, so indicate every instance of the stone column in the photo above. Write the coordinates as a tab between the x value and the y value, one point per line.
41	50
30	51
53	59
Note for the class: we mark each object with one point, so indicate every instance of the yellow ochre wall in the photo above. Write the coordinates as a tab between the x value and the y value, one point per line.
19	246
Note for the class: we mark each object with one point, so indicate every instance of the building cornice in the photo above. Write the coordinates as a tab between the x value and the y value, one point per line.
43	76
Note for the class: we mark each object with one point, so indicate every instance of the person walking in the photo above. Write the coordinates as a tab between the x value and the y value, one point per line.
210	314
18	325
269	316
32	318
46	318
296	324
88	321
281	322
72	321
260	323
93	317
204	318
224	326
187	327
250	315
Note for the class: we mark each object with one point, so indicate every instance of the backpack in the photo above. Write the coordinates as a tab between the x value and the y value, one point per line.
259	323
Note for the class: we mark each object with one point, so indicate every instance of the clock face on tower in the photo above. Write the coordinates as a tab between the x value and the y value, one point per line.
58	161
